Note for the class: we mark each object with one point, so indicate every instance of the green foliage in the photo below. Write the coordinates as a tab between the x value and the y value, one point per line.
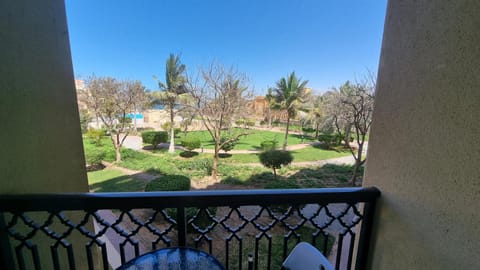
275	159
284	184
308	129
95	136
169	183
191	143
166	126
154	137
176	131
203	165
268	145
330	139
95	156
228	145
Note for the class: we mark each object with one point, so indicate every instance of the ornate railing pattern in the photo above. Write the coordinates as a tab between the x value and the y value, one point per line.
102	230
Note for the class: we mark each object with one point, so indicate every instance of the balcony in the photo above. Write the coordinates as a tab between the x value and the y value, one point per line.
98	231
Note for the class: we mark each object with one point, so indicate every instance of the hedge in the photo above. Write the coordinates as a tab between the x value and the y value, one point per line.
169	183
154	137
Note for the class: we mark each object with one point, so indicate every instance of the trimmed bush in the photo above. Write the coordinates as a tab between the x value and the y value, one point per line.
275	159
230	145
191	143
239	122
250	123
268	145
169	183
94	157
154	137
330	139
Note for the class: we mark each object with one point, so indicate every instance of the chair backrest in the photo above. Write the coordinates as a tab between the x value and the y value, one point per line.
306	257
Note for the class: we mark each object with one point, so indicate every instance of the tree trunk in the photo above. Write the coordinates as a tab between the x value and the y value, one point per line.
285	141
269	118
316	130
117	146
215	162
274	173
346	138
358	163
171	147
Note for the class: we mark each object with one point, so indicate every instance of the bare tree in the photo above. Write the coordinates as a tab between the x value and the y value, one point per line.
111	101
352	108
219	97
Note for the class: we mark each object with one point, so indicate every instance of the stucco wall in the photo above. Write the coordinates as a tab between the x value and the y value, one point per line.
41	149
424	149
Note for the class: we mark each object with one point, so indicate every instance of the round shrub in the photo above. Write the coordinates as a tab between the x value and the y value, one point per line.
229	145
275	159
191	143
154	137
169	183
268	145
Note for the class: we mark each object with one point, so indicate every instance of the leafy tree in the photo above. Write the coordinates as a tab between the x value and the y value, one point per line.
219	97
275	159
290	92
171	91
111	100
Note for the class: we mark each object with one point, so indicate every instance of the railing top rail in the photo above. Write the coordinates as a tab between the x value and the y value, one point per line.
131	200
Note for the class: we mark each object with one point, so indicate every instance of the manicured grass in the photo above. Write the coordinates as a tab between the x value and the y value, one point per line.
111	180
251	141
230	169
308	153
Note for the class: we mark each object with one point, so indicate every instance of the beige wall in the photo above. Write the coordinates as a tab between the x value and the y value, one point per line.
424	149
41	148
40	139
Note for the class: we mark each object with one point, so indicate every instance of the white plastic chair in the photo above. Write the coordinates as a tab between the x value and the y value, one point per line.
306	257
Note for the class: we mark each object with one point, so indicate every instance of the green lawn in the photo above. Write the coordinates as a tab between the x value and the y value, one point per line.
309	153
112	180
196	167
249	142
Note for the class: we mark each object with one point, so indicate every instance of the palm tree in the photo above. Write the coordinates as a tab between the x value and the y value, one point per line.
290	92
170	91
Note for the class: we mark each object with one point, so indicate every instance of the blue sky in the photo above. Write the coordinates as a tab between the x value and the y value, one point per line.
325	42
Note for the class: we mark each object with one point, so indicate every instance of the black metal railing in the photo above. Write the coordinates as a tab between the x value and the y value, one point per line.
102	230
